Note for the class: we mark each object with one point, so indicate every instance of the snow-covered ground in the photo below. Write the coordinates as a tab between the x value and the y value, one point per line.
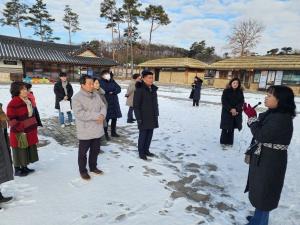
192	181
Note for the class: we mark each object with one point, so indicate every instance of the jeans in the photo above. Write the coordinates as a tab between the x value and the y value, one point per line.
145	138
260	218
61	117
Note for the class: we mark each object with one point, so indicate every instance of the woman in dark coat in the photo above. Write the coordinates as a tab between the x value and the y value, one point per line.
232	108
23	129
6	169
196	89
145	107
272	133
112	89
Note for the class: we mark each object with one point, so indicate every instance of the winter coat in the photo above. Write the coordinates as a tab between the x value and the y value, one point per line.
196	86
113	109
232	99
267	170
87	108
6	169
35	110
145	106
101	93
60	93
130	93
20	122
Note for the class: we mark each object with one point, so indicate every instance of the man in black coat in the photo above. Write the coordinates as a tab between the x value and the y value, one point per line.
63	91
146	112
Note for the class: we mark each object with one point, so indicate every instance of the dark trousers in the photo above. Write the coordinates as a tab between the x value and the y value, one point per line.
130	114
113	126
84	145
196	102
145	138
260	218
227	137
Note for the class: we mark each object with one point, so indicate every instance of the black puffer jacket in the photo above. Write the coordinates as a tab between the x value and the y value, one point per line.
146	106
60	93
267	170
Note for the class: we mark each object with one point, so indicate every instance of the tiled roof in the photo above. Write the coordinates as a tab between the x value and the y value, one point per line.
12	48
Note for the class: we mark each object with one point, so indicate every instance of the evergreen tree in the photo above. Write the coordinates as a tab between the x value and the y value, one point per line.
71	22
39	20
13	14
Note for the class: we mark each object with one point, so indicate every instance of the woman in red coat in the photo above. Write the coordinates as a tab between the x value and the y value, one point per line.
23	129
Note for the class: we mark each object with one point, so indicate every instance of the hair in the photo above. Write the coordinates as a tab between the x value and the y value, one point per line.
285	97
28	86
95	78
146	73
62	74
104	72
232	80
83	78
135	76
16	87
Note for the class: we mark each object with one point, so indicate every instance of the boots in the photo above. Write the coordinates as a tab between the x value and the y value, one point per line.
20	172
113	128
4	199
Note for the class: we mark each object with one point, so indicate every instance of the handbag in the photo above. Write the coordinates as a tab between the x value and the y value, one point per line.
65	106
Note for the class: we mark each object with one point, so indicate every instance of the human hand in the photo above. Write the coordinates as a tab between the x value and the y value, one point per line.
247	159
66	98
233	112
249	111
100	119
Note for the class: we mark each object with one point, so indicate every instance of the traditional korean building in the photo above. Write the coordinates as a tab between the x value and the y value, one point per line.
259	72
35	59
175	70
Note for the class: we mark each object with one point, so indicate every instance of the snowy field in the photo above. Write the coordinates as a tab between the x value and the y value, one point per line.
192	181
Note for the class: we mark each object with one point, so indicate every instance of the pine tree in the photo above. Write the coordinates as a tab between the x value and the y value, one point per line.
71	21
13	14
156	15
39	20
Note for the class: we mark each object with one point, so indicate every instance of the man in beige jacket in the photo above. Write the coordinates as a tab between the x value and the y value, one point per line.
90	112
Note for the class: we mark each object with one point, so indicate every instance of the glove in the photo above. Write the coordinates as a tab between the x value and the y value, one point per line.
249	111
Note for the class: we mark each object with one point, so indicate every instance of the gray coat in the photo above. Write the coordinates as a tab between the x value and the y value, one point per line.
130	93
87	108
6	169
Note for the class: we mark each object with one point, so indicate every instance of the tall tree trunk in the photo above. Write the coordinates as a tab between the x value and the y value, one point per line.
150	38
70	42
19	29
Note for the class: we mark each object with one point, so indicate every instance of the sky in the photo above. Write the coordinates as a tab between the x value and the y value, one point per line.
191	20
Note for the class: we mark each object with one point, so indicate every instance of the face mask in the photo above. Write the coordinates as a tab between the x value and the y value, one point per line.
106	76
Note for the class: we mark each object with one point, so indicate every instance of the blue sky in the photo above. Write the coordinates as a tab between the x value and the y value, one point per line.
192	20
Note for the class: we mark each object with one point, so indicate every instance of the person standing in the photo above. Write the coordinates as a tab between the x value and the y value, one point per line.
63	92
33	101
196	90
101	93
267	158
6	169
145	107
23	129
232	108
129	95
112	89
90	112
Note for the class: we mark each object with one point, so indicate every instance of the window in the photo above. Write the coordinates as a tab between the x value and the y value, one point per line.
256	77
291	77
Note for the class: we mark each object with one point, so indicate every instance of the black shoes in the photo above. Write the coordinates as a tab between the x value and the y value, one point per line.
26	169
130	121
115	135
85	176
4	199
20	172
97	171
150	154
143	157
